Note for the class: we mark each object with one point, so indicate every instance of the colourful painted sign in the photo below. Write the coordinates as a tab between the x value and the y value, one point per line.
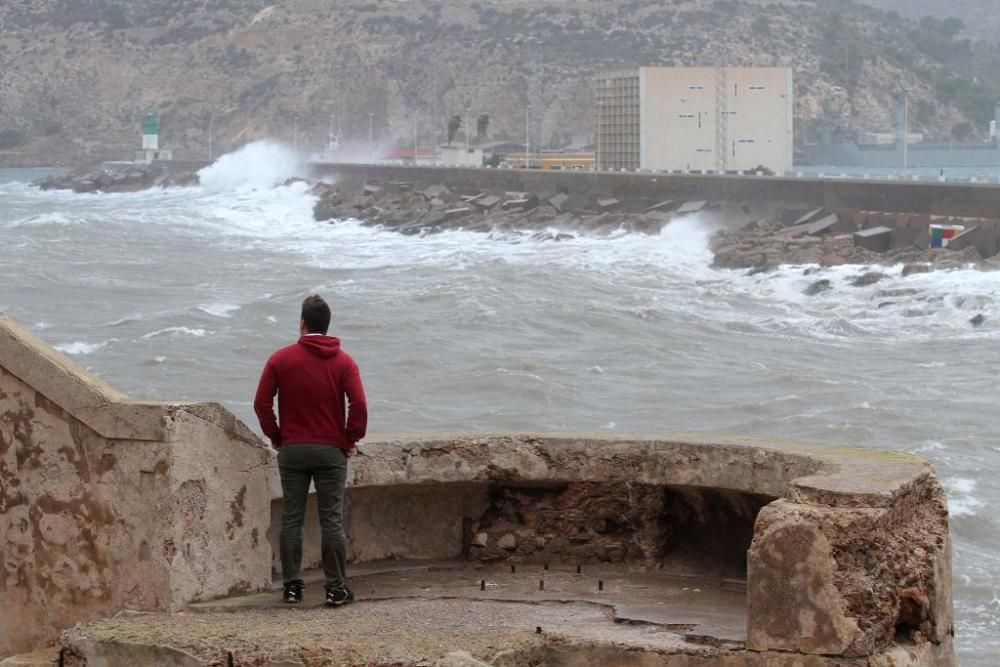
942	234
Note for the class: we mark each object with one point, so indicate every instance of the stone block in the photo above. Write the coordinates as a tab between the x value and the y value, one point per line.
830	224
559	201
834	580
810	216
487	202
523	204
876	239
875	219
434	192
983	237
691	207
460	212
666	205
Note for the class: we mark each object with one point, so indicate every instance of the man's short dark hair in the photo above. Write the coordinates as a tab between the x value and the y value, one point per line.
316	314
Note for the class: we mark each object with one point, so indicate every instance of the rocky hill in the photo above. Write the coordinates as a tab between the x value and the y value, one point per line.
980	17
77	75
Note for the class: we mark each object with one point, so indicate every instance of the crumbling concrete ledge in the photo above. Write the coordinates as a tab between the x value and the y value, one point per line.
108	503
852	556
847	558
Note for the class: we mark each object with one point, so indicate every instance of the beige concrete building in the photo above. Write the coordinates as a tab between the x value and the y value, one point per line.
695	118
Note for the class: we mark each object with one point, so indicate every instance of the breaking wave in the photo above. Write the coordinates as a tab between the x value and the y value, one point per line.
261	164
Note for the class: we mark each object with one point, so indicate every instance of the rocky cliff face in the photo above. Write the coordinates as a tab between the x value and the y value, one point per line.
980	16
76	77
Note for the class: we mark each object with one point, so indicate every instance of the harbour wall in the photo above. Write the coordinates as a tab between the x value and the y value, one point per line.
971	200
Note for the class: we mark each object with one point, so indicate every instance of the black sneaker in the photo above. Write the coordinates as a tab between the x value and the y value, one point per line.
338	596
293	592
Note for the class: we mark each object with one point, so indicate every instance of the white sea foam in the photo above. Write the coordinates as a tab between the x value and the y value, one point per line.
80	348
175	331
962	498
219	309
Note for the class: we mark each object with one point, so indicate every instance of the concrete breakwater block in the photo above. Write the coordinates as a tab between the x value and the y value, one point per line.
691	207
460	212
487	203
520	204
559	201
830	224
876	239
809	216
666	205
607	204
434	192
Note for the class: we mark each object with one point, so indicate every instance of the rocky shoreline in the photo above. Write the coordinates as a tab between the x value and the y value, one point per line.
757	239
124	178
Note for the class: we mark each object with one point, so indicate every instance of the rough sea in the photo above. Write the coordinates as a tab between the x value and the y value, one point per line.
182	294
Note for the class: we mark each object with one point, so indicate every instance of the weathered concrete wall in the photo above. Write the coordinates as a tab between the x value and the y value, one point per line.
108	504
852	558
966	200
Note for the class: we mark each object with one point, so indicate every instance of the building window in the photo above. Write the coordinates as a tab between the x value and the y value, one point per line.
756	87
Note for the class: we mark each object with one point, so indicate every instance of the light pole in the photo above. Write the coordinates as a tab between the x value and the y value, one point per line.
468	111
527	136
371	136
416	145
597	153
295	132
906	132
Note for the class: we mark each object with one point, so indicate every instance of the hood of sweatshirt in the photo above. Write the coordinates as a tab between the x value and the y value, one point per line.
321	346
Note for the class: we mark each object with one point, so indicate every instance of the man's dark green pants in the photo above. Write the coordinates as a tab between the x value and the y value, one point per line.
326	466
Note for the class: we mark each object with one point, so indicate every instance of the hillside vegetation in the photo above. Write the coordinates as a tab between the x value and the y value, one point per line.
980	17
77	75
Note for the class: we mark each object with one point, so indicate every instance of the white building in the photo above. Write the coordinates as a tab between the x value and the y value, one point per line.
695	118
460	156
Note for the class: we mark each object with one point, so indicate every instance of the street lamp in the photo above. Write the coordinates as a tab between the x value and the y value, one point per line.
597	152
527	136
371	136
211	129
468	112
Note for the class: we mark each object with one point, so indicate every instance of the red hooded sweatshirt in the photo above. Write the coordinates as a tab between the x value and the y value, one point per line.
312	379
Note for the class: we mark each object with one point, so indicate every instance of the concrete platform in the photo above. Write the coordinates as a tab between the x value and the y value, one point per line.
416	613
711	609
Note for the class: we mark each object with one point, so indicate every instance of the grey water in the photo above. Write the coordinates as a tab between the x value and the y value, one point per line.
181	294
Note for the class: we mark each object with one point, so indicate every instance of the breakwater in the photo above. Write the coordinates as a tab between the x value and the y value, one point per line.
973	200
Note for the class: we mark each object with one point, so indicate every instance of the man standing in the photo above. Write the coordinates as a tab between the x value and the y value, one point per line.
312	378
